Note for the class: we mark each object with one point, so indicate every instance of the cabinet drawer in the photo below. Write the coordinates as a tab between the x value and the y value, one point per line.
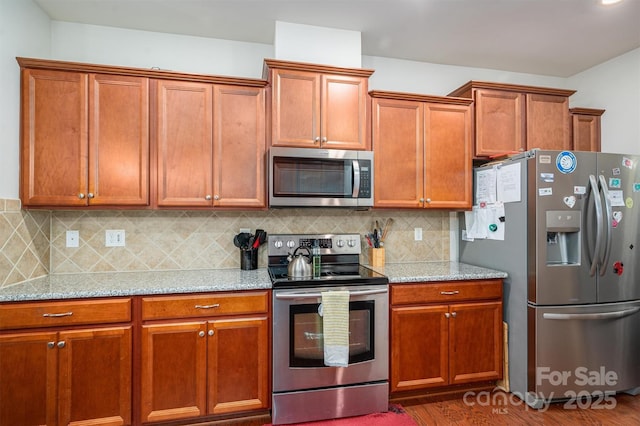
449	291
60	313
215	304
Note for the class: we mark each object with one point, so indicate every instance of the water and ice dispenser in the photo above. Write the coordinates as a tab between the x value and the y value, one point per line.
563	237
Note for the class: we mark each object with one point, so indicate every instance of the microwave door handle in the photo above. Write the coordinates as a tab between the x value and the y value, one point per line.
608	226
356	179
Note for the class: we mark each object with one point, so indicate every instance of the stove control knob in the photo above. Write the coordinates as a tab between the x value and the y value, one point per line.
278	244
291	244
351	243
340	243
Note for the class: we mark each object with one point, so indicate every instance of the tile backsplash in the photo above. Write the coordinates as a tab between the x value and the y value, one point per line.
24	243
33	242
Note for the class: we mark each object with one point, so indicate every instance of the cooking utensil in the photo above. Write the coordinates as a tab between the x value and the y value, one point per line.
259	238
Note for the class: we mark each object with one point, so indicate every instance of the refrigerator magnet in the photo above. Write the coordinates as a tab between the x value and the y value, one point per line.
545	191
570	201
616	171
627	162
617	218
615	183
629	202
566	162
579	190
636	187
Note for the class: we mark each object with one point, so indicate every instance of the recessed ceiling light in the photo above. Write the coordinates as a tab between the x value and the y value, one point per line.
608	2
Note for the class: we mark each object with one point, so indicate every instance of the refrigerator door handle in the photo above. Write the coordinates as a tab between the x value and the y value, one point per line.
597	202
608	226
594	316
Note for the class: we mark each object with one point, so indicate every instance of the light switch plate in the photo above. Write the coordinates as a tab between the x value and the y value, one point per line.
417	234
73	238
114	238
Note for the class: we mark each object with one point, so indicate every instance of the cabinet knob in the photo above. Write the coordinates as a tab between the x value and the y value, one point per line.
90	195
81	195
428	200
317	139
422	200
453	314
447	314
324	139
61	344
210	332
216	197
207	197
51	345
201	334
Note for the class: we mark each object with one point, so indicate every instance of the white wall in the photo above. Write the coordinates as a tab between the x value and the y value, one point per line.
614	86
144	49
435	79
24	31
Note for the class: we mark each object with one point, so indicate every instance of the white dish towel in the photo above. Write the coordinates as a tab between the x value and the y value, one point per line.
335	327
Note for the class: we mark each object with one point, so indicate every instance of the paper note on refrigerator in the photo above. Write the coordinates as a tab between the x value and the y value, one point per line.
508	183
486	186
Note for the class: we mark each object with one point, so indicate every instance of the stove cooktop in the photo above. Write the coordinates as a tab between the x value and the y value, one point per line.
330	275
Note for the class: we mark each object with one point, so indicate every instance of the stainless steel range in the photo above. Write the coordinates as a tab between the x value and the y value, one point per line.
304	388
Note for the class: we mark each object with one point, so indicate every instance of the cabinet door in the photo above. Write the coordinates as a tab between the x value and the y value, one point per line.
28	371
448	163
238	365
344	112
295	108
586	132
54	138
419	347
184	143
118	140
398	153
475	342
548	122
173	371
95	377
239	145
500	122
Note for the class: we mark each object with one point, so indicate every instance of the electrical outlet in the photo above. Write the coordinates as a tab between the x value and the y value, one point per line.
417	234
73	238
247	230
114	238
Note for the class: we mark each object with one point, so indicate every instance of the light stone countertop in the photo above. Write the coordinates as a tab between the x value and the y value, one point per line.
111	284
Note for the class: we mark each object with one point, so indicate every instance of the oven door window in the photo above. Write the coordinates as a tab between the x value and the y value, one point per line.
302	177
306	342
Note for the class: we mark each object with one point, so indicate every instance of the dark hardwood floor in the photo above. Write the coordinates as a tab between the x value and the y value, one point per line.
505	409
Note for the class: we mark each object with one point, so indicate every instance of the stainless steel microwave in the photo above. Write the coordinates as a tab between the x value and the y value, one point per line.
309	177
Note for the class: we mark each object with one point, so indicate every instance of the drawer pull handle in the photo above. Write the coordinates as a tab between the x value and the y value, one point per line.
449	293
63	314
215	305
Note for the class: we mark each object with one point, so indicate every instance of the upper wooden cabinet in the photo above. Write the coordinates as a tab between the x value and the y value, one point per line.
318	106
88	139
85	139
422	151
512	118
211	145
586	129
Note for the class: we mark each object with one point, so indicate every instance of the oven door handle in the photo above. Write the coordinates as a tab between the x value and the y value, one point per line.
317	295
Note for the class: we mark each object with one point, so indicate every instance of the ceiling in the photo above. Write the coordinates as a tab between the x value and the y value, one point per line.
548	37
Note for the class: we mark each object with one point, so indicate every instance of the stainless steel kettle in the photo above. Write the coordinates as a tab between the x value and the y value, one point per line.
299	264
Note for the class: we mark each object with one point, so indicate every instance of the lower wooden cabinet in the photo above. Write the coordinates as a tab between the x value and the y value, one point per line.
215	363
63	376
445	334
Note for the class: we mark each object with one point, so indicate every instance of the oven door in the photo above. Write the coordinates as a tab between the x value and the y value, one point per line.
298	352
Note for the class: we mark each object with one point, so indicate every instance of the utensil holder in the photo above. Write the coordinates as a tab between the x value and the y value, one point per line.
249	259
376	256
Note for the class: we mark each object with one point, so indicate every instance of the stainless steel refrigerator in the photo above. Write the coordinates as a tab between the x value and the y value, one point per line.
568	238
